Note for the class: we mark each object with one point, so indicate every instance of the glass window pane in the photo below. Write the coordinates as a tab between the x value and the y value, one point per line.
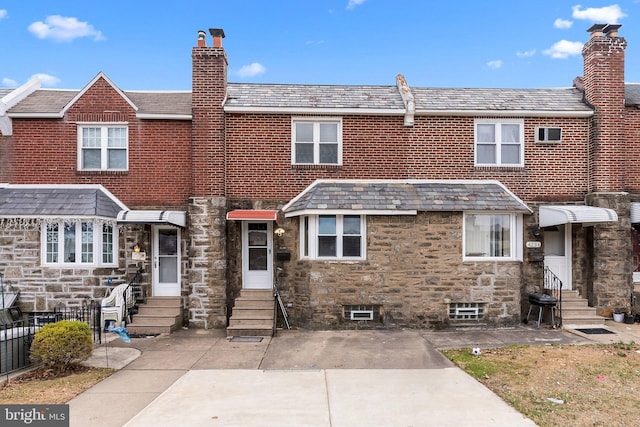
52	242
510	154
488	235
107	243
117	159
327	224
87	242
329	153
511	133
258	259
327	246
304	132
91	137
328	132
486	154
351	246
91	159
351	224
486	133
69	242
117	137
167	269
304	153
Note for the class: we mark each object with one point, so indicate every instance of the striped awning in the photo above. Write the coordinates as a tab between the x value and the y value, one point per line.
575	214
177	218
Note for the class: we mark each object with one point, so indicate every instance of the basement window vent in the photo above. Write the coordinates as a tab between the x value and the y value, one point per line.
362	312
548	135
466	311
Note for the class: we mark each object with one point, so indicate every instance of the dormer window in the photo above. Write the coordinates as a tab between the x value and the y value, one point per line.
103	147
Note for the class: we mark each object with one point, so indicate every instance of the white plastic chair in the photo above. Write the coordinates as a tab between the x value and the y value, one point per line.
114	305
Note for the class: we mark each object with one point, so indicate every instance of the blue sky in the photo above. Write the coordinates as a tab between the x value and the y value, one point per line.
146	45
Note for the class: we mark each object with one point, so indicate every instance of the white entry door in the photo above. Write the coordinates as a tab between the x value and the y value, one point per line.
166	261
557	253
257	254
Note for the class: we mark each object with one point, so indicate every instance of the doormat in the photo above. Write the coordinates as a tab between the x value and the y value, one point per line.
246	339
595	331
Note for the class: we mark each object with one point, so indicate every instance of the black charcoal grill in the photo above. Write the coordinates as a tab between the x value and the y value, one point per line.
541	301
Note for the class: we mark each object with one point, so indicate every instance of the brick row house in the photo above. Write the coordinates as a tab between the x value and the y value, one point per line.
372	206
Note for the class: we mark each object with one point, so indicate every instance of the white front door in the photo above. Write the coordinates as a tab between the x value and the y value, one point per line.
257	254
557	253
166	261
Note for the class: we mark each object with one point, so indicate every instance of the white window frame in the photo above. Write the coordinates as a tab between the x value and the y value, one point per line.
498	141
104	145
97	242
309	237
515	237
316	122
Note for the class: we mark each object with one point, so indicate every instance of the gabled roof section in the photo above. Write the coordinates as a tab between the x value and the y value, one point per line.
403	197
37	201
9	98
99	76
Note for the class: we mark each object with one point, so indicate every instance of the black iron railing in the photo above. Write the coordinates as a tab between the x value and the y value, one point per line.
553	287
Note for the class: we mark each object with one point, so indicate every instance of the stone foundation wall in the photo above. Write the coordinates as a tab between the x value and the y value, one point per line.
207	265
413	270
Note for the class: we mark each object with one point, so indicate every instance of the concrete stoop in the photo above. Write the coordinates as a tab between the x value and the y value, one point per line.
158	315
576	312
252	314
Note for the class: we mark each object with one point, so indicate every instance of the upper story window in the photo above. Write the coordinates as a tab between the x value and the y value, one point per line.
316	141
78	242
492	236
332	237
103	147
499	142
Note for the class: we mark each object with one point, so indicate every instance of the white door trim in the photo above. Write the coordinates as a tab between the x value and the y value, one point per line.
160	259
257	278
560	265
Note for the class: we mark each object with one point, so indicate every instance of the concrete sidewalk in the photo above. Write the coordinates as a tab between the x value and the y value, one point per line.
303	378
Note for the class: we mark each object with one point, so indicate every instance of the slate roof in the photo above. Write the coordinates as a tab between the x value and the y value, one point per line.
632	94
52	101
419	195
4	92
21	201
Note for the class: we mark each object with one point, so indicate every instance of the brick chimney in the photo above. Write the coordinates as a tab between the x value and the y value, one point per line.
208	91
604	89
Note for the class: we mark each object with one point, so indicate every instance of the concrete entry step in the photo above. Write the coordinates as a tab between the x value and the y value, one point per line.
252	313
159	315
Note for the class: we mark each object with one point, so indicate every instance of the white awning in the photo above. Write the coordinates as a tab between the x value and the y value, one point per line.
635	213
177	218
585	215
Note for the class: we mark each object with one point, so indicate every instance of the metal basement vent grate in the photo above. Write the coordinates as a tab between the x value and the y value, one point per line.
466	311
361	312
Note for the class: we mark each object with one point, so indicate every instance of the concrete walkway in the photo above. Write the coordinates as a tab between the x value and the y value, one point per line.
303	378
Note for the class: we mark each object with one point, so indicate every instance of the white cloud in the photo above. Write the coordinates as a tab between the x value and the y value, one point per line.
254	69
47	80
3	13
603	15
7	82
494	64
63	28
353	3
526	53
563	24
563	49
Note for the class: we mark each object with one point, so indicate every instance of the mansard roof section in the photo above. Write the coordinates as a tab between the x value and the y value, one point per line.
567	102
82	200
300	98
632	94
389	197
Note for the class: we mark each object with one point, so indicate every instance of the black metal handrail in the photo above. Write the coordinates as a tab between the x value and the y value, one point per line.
553	286
134	294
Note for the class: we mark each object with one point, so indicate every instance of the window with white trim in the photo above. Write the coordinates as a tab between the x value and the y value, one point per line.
78	242
316	141
499	142
332	237
491	236
103	147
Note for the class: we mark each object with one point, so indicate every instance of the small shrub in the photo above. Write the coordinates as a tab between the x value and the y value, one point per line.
62	344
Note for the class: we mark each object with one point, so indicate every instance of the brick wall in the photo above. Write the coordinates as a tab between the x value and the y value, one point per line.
159	152
382	148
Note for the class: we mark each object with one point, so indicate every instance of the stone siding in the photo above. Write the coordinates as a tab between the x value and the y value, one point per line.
413	270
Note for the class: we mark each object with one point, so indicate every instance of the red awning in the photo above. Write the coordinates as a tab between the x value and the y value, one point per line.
254	215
